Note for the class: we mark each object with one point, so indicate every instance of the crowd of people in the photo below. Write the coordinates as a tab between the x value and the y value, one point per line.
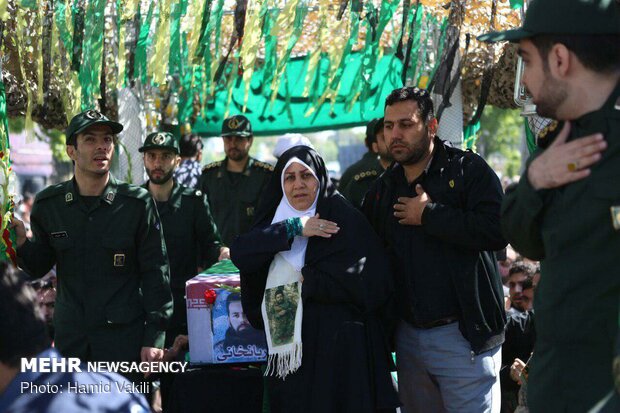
491	300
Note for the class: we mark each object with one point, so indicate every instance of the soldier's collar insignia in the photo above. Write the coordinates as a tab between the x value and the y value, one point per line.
617	105
93	115
234	123
68	197
159	139
110	196
451	183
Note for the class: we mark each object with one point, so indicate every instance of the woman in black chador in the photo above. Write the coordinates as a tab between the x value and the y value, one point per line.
316	278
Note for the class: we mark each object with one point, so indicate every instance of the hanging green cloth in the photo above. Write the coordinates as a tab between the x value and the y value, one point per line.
470	133
90	69
288	113
144	42
60	9
530	137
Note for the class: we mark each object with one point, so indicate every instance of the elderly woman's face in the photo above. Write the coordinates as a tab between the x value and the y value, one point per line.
300	186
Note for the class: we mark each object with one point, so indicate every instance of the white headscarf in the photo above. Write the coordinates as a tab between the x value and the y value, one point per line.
297	254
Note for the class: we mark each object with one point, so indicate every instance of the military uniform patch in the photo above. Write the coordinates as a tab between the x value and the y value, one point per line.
68	197
110	196
93	115
451	183
233	123
159	139
615	217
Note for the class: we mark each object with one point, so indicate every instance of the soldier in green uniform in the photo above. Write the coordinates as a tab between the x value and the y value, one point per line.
189	230
105	238
192	239
356	180
233	185
564	211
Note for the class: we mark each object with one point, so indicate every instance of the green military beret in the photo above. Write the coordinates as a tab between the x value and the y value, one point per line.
563	17
86	119
237	125
160	140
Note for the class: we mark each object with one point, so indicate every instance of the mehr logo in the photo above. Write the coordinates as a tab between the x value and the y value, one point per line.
159	139
51	365
234	123
93	115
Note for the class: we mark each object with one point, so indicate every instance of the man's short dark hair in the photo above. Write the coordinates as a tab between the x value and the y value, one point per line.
231	298
527	283
421	96
372	128
597	52
190	145
522	267
22	327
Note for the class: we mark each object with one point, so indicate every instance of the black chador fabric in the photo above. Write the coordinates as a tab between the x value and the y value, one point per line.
346	292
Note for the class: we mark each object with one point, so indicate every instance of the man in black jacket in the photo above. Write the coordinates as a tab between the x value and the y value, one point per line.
437	210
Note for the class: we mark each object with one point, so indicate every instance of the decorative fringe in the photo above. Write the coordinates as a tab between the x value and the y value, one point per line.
285	362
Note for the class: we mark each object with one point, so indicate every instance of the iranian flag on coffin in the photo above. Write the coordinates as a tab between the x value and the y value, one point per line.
218	330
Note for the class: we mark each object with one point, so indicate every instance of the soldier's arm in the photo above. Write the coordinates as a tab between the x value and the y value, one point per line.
36	256
209	238
477	225
154	270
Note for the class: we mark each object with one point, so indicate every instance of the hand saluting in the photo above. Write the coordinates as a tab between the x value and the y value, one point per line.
409	210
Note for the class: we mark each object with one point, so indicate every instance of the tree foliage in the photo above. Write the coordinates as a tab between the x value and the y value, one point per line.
500	135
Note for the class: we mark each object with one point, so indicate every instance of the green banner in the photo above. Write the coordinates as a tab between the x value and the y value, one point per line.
289	111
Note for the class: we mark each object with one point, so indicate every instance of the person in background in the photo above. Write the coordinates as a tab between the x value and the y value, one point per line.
358	177
288	140
518	345
234	185
189	170
520	273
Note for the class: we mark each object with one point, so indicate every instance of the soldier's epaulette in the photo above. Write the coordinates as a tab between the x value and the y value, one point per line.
548	134
212	165
366	174
51	191
133	191
263	165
